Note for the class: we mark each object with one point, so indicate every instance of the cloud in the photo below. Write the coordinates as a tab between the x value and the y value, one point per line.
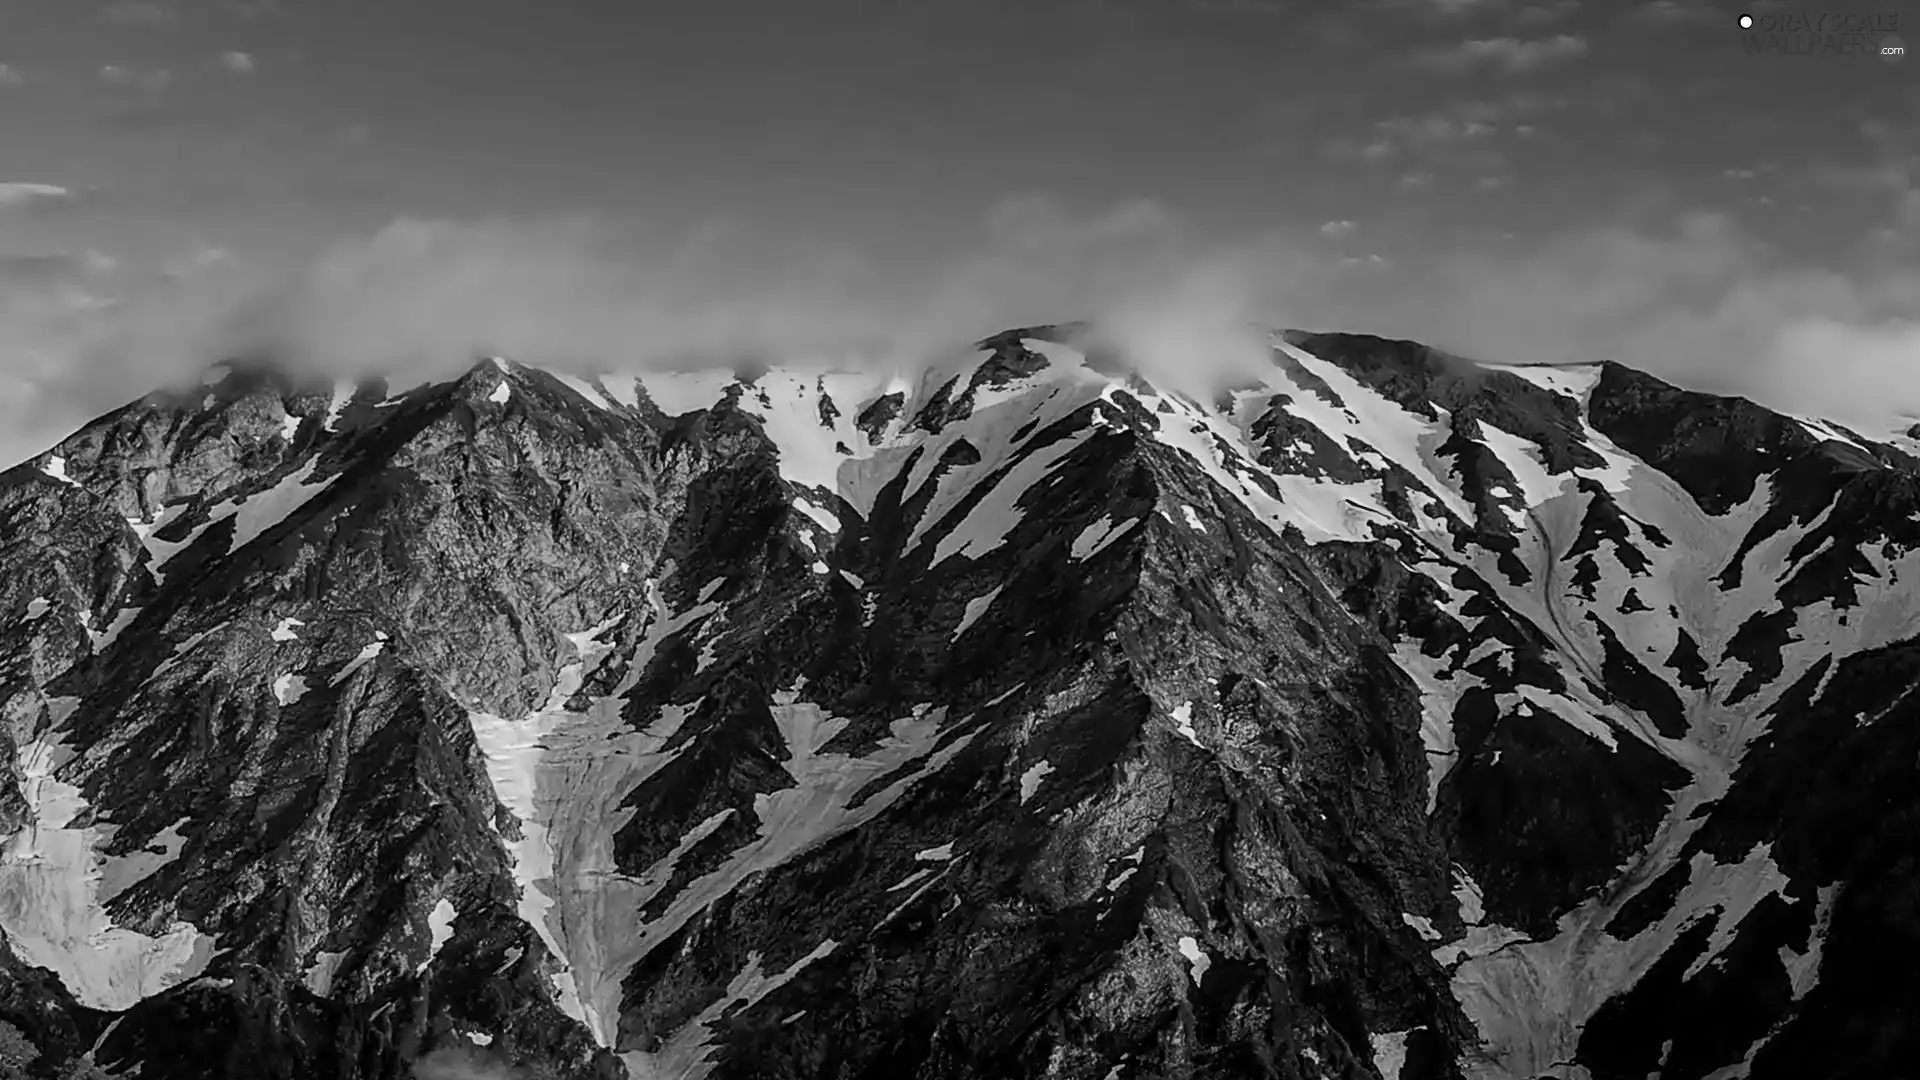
1510	55
20	194
1542	11
423	299
11	76
49	270
1546	11
1456	9
1507	108
237	62
1700	301
1702	304
1676	12
1337	228
137	13
1448	134
461	1063
140	78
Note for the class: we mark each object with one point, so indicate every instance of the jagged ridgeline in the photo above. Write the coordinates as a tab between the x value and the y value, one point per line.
1384	715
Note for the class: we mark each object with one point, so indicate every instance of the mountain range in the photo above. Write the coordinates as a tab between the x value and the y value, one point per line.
1377	714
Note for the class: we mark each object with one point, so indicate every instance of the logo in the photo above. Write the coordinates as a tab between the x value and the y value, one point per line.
1824	33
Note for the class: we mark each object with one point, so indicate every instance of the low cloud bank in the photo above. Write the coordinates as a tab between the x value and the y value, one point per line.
459	1063
1701	304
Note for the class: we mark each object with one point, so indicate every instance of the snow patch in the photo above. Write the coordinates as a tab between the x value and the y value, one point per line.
990	520
1096	537
821	517
685	1054
563	774
1182	717
343	392
284	630
56	467
51	878
976	607
1197	958
1568	380
1803	968
255	514
1030	780
588	392
1390	1052
1522	459
1826	431
319	974
118	873
288	689
678	393
104	639
439	928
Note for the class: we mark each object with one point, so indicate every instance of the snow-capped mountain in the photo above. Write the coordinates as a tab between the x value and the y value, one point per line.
1386	715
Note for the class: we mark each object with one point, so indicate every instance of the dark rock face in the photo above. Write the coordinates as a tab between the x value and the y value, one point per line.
1395	716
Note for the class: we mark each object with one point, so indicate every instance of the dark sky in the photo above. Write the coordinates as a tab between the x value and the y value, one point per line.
1504	176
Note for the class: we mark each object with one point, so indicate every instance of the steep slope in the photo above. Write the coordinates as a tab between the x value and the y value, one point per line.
1390	715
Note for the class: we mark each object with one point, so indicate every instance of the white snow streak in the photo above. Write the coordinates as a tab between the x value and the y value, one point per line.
1096	537
976	607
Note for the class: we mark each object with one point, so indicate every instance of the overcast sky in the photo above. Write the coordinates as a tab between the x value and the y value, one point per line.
1518	180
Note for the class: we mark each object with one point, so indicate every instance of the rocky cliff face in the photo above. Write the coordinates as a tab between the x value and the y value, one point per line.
1391	716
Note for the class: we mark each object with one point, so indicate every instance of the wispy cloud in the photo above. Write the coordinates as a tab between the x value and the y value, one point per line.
1509	55
1545	12
1337	228
1677	12
1506	108
238	62
1406	137
1465	8
11	76
137	13
460	1063
1520	12
139	78
19	193
1703	302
